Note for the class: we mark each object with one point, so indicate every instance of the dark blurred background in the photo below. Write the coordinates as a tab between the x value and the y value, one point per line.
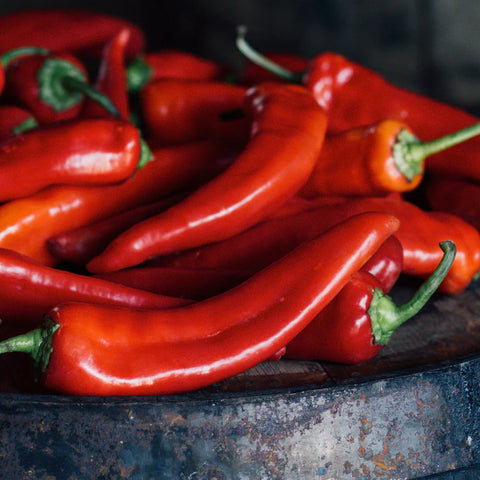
430	46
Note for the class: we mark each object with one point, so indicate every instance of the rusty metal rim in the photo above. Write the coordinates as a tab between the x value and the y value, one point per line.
258	395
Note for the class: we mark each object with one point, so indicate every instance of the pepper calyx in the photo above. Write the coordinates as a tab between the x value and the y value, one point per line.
405	155
138	74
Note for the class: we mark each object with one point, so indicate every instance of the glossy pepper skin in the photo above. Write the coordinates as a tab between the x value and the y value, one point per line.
15	120
287	135
79	31
185	348
27	223
176	111
163	64
112	79
455	196
420	233
89	152
29	290
376	159
360	320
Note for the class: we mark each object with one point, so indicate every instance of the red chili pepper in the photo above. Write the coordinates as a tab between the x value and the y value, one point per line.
27	223
194	284
419	234
112	80
81	244
201	283
376	159
52	87
14	120
29	290
455	196
181	349
287	135
355	96
77	31
90	152
177	64
177	111
361	319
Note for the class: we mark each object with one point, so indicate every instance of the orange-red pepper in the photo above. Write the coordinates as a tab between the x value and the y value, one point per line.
287	135
27	223
185	348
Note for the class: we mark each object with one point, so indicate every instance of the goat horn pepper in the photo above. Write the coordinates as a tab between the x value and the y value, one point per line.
89	151
30	289
112	80
15	120
185	348
79	31
27	223
381	158
52	87
287	134
177	111
81	244
201	283
163	64
361	319
341	87
455	196
419	234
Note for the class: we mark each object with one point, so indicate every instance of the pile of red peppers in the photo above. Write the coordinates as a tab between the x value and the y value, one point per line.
166	223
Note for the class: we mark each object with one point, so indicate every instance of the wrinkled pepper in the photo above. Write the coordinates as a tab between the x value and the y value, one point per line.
29	290
162	64
27	223
361	319
53	87
89	152
181	349
176	111
78	31
420	233
287	135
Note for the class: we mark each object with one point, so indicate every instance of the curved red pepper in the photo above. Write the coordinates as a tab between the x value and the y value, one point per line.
419	234
81	244
355	96
376	159
181	349
287	135
176	111
455	196
14	120
90	152
360	320
29	290
112	80
152	66
78	31
27	223
52	87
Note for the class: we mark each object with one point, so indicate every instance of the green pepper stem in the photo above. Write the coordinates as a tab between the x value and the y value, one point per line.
11	55
386	317
409	152
26	125
37	343
138	74
145	154
72	83
262	61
